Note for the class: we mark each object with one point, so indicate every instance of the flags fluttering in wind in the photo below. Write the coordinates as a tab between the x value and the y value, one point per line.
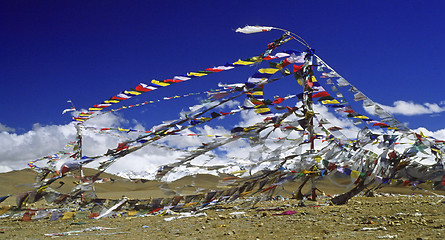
253	29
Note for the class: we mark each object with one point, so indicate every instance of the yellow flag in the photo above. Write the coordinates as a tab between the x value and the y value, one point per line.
299	80
361	117
196	74
262	110
436	150
260	93
237	172
68	215
132	92
205	119
241	62
112	101
247	129
268	70
163	84
132	213
314	79
94	109
334	101
355	174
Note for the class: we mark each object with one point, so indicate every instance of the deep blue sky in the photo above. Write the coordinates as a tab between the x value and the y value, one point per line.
88	51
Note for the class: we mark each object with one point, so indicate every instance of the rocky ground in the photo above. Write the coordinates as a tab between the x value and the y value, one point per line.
396	211
384	216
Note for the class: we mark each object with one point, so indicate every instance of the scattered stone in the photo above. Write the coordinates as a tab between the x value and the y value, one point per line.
372	229
387	236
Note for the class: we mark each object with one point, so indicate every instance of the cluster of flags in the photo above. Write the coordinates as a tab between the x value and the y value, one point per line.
155	84
257	81
339	153
340	104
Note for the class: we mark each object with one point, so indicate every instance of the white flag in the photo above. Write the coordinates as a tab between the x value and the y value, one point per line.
68	110
253	29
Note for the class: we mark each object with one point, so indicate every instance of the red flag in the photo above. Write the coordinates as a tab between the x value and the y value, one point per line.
320	94
297	68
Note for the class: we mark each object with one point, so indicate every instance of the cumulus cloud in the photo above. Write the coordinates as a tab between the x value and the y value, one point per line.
145	161
18	149
410	108
229	105
4	128
249	118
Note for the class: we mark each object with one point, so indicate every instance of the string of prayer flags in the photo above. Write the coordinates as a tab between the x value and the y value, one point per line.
217	93
155	84
391	122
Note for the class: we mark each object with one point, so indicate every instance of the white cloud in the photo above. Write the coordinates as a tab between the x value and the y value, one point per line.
146	161
218	130
4	128
410	108
250	118
230	104
108	120
18	149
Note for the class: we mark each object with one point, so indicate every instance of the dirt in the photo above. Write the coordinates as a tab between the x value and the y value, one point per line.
394	212
380	217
